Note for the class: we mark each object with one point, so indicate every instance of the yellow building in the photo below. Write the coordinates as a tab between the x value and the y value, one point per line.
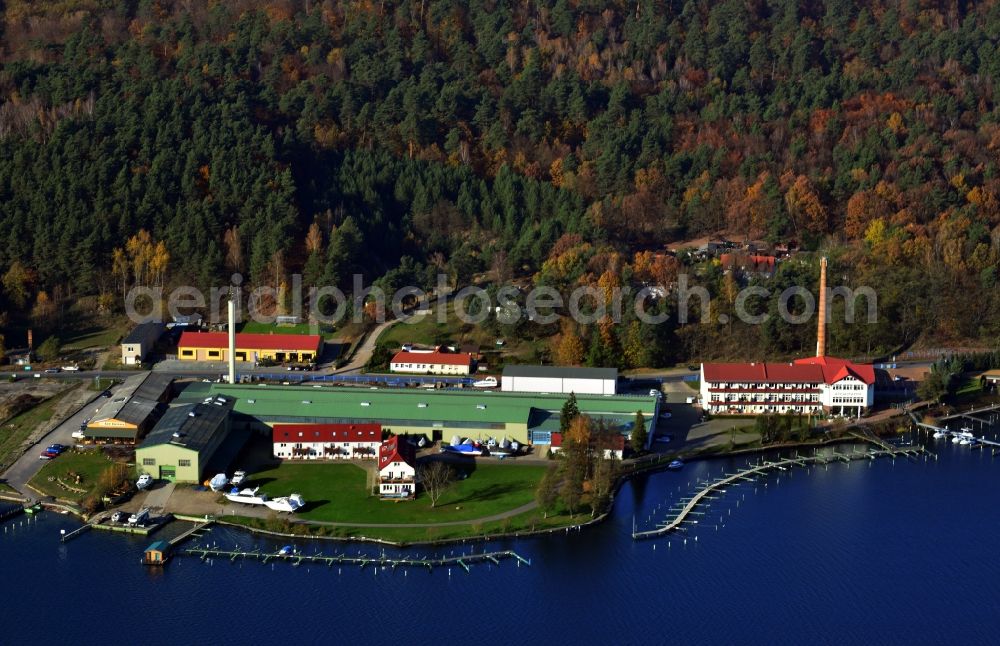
280	348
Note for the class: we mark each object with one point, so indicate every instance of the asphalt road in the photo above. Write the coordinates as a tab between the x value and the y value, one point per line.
25	468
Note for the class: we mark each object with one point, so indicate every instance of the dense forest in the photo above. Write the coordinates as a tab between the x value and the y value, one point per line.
568	141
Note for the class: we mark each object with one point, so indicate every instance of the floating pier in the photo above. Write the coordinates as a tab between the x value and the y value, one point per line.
9	510
463	561
781	465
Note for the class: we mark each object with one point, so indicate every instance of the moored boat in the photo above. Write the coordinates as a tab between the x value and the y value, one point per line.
247	496
675	465
238	478
290	504
218	482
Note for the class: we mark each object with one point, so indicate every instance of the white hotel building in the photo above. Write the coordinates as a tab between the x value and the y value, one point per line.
807	386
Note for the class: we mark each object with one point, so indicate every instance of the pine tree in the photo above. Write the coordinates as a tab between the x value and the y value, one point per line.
569	412
639	434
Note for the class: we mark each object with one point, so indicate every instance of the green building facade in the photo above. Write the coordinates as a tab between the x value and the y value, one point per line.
528	418
183	442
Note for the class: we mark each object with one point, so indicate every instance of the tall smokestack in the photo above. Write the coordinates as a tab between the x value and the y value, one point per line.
821	331
232	337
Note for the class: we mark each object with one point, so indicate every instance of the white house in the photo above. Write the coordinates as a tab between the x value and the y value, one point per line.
397	470
615	450
806	386
326	441
556	379
432	363
138	343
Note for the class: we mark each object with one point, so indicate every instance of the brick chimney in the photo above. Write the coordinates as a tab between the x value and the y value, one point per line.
821	319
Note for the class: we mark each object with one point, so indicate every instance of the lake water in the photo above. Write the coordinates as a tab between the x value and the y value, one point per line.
874	552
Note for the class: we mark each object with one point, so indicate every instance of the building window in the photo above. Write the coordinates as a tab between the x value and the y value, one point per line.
187	353
213	354
184	463
148	462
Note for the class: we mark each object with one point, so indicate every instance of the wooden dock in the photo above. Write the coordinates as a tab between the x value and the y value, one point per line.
979	442
764	467
197	532
464	561
9	510
971	413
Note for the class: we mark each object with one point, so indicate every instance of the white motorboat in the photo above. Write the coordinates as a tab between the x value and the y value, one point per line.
143	482
291	503
938	435
488	382
238	478
964	441
955	439
219	482
247	496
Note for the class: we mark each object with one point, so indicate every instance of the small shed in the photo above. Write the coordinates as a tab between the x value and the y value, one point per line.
157	553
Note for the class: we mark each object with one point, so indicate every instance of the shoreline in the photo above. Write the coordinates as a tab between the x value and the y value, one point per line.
539	533
637	469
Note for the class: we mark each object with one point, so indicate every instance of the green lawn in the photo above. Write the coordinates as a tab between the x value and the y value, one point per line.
88	464
338	493
525	522
17	429
93	335
425	330
253	327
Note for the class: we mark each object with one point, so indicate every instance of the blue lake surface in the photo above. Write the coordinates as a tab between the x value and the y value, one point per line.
872	552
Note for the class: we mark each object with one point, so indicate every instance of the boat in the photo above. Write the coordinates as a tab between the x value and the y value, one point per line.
488	382
939	434
965	441
238	478
247	496
218	482
464	449
291	503
676	465
140	517
144	481
286	550
955	439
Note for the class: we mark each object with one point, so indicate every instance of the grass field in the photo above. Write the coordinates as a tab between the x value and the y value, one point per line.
525	522
338	493
88	464
16	430
93	335
253	327
425	330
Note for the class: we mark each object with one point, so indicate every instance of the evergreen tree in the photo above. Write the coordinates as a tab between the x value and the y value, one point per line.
570	411
639	434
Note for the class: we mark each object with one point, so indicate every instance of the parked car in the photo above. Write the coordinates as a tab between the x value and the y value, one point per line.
79	435
71	368
48	455
58	448
51	371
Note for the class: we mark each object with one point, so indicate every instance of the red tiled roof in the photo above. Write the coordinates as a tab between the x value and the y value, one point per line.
762	373
809	370
327	433
392	450
835	369
220	340
436	358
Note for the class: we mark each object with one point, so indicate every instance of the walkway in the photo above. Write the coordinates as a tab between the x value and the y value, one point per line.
746	474
454	523
69	415
367	348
